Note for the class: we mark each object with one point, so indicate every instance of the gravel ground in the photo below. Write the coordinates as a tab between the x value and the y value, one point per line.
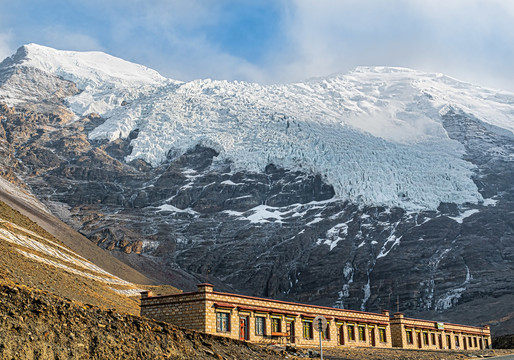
404	354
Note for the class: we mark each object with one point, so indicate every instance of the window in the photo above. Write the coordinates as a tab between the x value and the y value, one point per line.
475	341
351	332
469	342
260	325
382	334
408	335
326	331
449	341
487	343
433	338
276	325
362	333
457	343
425	338
222	322
307	330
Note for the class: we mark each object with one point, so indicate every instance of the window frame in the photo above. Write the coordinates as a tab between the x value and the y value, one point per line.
325	334
362	333
382	335
350	328
409	337
262	326
307	329
276	325
425	338
220	323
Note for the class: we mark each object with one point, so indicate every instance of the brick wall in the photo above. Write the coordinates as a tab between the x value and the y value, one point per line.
198	311
424	334
185	310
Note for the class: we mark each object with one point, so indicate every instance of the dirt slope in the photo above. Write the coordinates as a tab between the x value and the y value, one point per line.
38	325
31	256
34	210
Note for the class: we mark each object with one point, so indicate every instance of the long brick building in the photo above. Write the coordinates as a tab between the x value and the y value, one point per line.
272	321
424	334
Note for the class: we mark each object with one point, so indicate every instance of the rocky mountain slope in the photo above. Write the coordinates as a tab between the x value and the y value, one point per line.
356	190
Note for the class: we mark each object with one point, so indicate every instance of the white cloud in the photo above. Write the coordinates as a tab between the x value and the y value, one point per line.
176	42
469	39
62	38
5	47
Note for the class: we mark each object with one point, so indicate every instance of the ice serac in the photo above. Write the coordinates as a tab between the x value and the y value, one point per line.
372	140
353	190
375	134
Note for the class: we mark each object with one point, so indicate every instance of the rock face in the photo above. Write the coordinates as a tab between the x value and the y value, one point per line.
278	233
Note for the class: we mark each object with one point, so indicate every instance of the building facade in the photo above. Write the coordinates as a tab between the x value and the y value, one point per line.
423	334
266	321
262	320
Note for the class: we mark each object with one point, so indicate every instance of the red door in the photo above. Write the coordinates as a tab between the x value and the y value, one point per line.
243	328
372	337
419	340
440	341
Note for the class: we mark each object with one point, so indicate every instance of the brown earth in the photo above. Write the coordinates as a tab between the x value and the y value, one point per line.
20	269
35	324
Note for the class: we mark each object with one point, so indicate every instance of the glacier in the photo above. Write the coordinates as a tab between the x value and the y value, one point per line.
375	134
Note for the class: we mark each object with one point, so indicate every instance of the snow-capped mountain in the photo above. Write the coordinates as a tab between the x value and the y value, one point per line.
388	181
375	134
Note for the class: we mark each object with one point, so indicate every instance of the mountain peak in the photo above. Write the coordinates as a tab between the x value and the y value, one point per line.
88	68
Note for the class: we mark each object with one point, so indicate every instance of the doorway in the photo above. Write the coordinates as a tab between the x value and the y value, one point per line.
290	330
419	340
243	328
372	337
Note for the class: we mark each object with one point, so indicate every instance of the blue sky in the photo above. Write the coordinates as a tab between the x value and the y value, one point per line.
276	40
